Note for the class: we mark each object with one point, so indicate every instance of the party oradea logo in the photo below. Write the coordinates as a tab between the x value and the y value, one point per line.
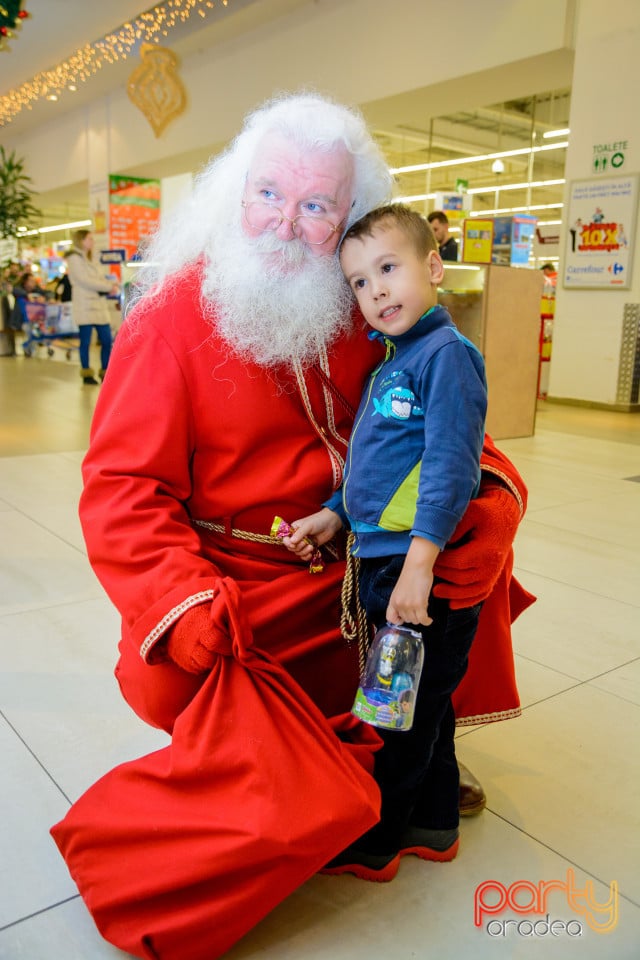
531	902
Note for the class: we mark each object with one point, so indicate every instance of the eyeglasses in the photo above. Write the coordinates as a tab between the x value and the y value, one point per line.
313	230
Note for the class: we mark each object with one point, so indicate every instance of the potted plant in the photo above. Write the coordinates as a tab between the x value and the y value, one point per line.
16	196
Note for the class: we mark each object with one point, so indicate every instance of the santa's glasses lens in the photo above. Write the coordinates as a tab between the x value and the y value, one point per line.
314	230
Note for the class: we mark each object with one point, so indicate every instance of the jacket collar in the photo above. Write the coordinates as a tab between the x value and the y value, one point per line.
433	319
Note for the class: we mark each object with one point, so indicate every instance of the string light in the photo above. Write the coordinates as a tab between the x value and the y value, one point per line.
148	27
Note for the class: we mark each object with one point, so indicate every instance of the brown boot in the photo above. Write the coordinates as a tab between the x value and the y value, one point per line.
472	799
87	376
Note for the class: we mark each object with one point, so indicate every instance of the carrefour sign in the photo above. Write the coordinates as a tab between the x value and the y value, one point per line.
600	235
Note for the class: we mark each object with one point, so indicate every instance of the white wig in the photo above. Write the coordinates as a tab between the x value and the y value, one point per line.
308	119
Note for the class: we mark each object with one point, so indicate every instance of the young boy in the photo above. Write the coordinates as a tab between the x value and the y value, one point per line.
412	466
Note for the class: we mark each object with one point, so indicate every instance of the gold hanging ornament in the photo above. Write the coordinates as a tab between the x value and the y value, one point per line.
155	87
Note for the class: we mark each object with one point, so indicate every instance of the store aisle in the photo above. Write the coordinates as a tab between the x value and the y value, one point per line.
563	780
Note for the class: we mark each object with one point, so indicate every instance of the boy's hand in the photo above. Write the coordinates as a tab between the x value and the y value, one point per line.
311	532
410	597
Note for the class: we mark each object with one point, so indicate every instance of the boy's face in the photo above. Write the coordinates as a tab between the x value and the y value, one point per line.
394	286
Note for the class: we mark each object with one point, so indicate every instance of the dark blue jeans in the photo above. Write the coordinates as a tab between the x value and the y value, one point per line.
416	769
104	336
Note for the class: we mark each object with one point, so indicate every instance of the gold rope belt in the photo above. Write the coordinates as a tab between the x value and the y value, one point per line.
354	626
239	534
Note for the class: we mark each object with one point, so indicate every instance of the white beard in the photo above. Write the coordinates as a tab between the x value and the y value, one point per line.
272	301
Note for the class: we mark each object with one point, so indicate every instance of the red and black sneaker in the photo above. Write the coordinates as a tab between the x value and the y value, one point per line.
379	868
438	845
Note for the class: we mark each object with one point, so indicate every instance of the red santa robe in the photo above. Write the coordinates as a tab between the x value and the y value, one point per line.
188	445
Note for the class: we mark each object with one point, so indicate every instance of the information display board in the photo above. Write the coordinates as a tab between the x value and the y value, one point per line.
601	220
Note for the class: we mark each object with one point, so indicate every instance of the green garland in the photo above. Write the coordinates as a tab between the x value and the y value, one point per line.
11	17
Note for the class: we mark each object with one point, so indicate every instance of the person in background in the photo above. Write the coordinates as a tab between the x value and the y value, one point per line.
26	290
10	276
7	334
63	294
63	288
90	308
447	245
419	433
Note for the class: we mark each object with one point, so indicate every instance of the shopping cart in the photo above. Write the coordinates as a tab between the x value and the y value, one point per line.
49	325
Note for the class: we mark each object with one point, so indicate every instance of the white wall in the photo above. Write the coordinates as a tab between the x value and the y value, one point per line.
604	108
173	190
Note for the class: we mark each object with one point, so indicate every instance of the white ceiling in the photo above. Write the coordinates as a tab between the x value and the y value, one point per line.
404	126
56	28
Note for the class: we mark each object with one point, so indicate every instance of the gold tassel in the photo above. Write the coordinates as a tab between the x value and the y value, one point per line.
353	620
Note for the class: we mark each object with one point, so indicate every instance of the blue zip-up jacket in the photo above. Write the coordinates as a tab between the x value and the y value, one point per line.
413	461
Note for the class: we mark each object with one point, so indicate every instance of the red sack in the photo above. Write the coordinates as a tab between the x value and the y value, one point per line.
178	854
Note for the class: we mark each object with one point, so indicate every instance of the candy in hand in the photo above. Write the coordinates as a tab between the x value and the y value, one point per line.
280	528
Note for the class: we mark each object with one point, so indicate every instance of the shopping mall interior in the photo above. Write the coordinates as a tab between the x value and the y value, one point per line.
494	114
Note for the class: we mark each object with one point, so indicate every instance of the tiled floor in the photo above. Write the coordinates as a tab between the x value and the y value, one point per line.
562	781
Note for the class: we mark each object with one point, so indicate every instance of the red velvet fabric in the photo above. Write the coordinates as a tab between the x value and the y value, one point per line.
294	618
178	854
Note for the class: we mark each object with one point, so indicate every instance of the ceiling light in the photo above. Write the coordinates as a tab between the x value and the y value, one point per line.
538	206
564	132
459	266
486	156
497	166
516	186
58	226
416	198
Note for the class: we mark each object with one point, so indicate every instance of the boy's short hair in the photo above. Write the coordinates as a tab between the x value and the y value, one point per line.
412	224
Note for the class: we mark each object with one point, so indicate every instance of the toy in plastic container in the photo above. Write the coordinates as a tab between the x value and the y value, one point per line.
388	687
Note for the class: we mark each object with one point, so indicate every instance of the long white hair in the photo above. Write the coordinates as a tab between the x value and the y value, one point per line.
308	119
